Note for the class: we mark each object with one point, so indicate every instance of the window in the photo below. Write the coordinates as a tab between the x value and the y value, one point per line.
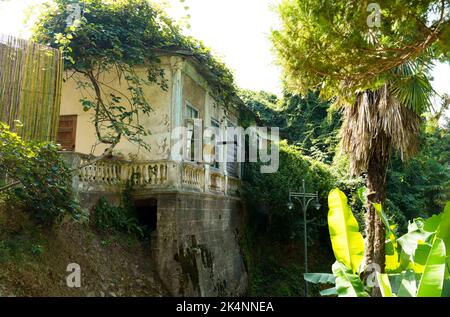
232	147
191	112
67	132
194	135
215	140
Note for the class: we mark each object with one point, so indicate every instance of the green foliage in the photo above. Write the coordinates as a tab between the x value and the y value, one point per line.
107	217
266	194
432	280
265	107
116	37
45	181
303	120
416	188
422	185
348	284
273	266
422	261
273	240
320	278
330	44
385	285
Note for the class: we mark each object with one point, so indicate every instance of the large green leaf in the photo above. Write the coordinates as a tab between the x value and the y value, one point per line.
432	281
432	223
420	258
384	284
347	283
408	287
328	292
392	254
347	241
320	278
410	240
443	231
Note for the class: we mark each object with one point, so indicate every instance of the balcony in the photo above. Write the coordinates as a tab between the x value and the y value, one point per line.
111	175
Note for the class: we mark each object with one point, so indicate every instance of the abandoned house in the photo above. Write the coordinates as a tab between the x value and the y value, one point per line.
193	208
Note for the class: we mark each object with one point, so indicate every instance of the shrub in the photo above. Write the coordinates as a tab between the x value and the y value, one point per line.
107	217
45	182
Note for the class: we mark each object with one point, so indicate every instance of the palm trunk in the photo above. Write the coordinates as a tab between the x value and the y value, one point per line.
375	231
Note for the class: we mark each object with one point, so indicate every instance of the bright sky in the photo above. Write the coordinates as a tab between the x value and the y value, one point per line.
236	30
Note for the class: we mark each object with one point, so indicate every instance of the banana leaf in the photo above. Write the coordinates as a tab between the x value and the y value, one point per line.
384	284
347	283
432	281
320	278
408	285
347	241
328	292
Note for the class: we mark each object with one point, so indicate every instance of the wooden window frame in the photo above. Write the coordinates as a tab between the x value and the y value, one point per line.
74	131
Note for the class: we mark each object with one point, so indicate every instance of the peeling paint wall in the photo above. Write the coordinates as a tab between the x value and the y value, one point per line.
158	121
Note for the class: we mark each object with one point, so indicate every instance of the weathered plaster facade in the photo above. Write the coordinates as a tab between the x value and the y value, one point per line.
198	206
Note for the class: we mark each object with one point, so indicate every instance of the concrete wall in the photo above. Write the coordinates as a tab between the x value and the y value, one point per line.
196	245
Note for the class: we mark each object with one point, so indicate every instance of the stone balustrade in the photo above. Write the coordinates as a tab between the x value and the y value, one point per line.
113	174
193	176
217	183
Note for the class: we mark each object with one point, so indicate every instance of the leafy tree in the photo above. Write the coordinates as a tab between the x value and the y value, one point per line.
331	45
303	121
421	187
264	107
379	76
273	228
311	126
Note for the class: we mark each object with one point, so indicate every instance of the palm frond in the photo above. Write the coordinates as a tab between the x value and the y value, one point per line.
411	85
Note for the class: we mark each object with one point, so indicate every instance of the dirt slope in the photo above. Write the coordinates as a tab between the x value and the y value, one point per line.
33	260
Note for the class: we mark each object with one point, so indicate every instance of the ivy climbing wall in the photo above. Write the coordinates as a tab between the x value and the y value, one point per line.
30	87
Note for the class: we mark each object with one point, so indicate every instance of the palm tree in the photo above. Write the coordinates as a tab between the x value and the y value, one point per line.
376	123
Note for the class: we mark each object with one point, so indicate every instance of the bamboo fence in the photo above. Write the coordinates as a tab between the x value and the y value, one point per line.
30	87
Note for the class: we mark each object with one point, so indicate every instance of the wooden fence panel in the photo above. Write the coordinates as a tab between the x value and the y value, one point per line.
30	87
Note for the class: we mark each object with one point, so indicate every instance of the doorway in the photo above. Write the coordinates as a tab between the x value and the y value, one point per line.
147	214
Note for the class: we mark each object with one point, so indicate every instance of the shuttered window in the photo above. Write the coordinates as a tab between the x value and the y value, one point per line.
215	140
232	147
67	132
194	135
